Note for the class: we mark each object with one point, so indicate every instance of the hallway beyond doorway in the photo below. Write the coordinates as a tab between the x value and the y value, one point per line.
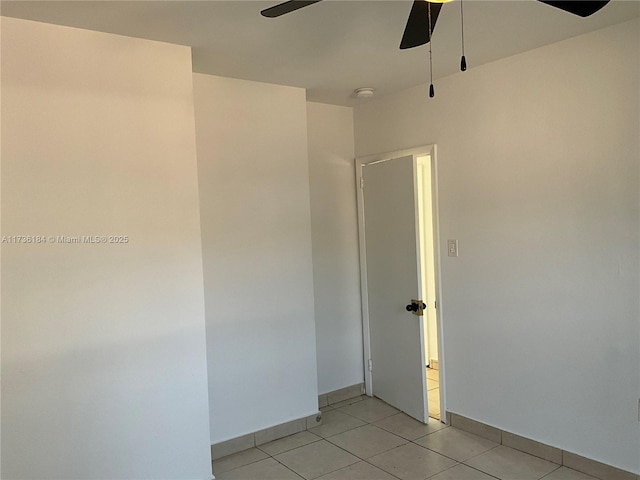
433	392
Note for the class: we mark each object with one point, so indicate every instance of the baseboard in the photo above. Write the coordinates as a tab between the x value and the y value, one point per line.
238	444
340	395
596	469
434	364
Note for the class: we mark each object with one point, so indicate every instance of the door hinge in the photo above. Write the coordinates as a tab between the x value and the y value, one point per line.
361	182
435	304
370	365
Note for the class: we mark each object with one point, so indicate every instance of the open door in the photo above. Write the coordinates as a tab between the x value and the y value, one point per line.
391	241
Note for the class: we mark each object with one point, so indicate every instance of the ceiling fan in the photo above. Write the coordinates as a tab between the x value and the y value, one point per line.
416	32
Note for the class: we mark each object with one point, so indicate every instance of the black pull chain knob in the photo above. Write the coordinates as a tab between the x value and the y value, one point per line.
463	63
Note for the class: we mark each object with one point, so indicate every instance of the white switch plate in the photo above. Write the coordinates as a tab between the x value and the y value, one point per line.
452	248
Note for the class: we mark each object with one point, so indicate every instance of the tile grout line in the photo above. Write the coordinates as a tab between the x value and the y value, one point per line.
366	423
468	466
244	465
363	460
407	441
294	472
385	451
337	446
289	449
559	467
451	458
360	458
386	430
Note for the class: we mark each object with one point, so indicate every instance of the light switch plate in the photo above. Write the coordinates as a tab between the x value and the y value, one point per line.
452	248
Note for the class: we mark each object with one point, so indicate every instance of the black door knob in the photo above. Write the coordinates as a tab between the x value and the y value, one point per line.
413	307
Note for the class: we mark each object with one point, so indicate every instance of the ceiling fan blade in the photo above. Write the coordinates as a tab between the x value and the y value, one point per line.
581	8
416	32
286	7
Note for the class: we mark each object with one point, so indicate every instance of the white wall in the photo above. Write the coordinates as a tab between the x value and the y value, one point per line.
334	227
256	231
0	249
103	346
538	176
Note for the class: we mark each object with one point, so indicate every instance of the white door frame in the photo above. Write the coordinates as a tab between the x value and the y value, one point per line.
359	163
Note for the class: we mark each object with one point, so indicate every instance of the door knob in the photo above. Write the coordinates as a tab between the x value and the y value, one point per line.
416	307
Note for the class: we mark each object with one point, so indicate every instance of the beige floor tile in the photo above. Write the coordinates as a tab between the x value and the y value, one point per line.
326	409
358	471
461	472
412	462
431	384
267	469
508	464
403	425
349	401
456	444
289	443
434	400
239	459
316	459
433	374
334	422
369	410
564	473
367	441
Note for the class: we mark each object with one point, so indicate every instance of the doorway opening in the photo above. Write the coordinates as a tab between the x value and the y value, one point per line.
428	258
399	251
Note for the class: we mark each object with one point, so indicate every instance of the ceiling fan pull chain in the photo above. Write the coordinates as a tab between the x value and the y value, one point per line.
432	92
463	60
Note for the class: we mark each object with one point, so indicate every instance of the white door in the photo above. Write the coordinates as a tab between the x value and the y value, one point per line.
391	238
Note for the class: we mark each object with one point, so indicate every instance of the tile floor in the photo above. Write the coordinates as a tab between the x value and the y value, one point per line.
366	439
433	392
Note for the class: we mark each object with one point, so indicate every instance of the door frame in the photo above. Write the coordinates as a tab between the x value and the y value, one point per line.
360	162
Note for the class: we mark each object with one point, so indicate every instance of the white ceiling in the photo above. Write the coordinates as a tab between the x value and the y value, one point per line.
330	48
